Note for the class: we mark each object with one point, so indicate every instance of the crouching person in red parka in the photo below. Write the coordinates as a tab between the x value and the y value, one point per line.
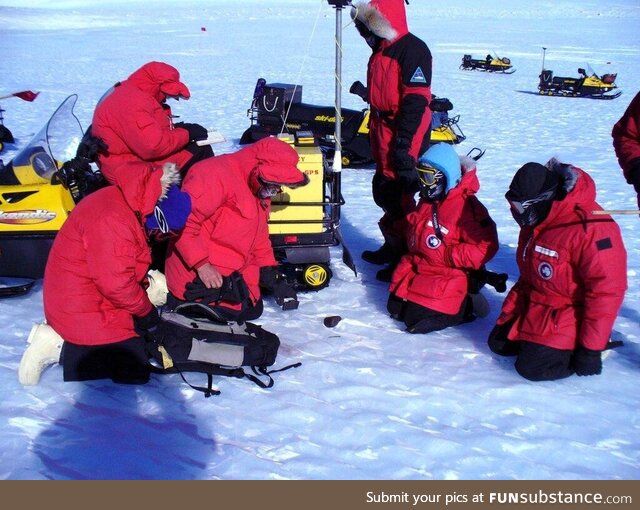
95	278
218	258
557	318
450	234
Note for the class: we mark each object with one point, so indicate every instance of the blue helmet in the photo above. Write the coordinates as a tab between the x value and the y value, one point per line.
441	156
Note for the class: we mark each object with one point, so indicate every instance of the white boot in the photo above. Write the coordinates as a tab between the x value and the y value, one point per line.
43	350
157	290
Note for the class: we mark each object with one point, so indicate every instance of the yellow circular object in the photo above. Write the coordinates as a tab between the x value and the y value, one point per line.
316	276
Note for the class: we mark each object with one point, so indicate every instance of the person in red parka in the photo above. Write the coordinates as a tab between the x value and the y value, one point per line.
399	92
558	317
449	235
227	234
96	273
626	142
135	123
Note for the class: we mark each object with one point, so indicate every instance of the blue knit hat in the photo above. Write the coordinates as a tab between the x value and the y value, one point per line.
441	156
171	212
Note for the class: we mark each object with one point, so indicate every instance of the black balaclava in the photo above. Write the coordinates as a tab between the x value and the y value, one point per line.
531	193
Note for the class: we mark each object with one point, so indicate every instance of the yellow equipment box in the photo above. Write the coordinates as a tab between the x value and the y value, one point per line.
295	207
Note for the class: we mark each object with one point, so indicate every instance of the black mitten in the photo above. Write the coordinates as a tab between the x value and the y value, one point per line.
404	164
196	131
634	176
148	323
587	361
197	291
360	90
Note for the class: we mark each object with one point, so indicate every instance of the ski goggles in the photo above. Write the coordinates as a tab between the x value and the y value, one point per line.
521	206
268	189
428	174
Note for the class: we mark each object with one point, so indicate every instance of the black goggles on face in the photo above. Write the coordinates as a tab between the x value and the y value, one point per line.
521	206
428	175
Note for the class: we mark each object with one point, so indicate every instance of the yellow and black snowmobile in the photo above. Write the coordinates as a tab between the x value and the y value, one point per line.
489	64
38	192
585	85
278	108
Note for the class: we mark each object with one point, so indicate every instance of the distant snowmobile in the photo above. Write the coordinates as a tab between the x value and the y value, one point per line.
278	107
5	134
489	64
586	85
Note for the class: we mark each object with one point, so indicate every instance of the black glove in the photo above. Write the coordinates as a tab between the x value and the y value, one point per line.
91	146
360	90
196	131
148	323
269	278
404	164
634	176
233	289
587	361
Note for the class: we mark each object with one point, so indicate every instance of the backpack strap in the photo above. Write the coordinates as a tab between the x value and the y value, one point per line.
258	371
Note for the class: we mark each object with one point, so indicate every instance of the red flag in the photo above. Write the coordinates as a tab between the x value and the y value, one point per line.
26	95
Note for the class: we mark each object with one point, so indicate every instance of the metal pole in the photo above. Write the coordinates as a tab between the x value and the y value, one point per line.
337	158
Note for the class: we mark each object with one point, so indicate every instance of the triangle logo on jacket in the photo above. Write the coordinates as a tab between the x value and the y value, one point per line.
418	76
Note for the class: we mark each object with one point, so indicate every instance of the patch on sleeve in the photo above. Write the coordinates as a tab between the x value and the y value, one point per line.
604	244
418	76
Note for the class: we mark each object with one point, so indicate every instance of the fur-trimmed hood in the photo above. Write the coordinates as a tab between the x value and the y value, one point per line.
385	18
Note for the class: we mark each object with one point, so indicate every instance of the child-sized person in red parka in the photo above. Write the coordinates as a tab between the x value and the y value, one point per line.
558	317
626	142
449	235
95	304
227	235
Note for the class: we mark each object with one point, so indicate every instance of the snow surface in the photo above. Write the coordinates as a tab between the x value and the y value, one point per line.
369	401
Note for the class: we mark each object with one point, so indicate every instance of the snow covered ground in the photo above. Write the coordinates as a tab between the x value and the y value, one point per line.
369	401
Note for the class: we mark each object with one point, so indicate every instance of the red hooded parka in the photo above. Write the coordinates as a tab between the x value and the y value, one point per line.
398	81
227	226
135	123
433	273
99	260
573	272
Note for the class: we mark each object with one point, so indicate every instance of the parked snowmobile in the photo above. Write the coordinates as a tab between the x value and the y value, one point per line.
586	85
278	108
489	64
38	192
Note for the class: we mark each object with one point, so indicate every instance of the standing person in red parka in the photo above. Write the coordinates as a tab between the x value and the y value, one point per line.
135	123
558	317
399	92
227	234
95	278
449	235
626	142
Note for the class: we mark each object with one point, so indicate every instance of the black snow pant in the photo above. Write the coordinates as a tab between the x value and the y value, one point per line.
125	362
534	362
420	319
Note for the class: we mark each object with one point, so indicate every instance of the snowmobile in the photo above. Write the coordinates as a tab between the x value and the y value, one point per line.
278	108
36	196
489	64
586	85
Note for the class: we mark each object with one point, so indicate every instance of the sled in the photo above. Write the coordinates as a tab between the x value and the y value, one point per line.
488	64
278	108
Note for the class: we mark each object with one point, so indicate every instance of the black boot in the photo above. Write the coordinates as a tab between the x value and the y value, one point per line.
382	255
385	274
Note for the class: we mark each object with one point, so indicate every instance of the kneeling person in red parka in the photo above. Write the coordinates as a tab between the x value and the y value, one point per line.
557	318
449	235
227	234
94	282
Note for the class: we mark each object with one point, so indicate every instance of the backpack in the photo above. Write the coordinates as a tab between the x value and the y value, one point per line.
193	338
